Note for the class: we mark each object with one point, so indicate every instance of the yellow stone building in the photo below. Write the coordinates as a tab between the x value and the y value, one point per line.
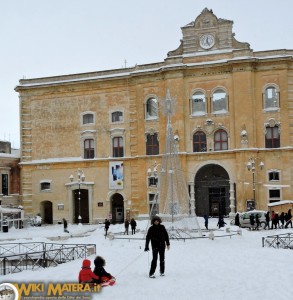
102	133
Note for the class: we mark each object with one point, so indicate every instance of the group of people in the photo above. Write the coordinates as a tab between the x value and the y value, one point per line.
272	220
132	224
278	221
98	276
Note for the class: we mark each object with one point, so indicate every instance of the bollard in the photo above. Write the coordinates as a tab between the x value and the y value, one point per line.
110	236
228	229
239	231
211	236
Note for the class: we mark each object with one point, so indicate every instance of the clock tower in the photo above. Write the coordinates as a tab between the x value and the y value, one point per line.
207	33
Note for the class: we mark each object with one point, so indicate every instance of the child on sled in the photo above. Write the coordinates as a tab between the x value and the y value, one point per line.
86	274
105	278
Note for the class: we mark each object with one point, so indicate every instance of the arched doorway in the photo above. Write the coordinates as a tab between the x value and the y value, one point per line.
117	208
46	212
81	208
212	191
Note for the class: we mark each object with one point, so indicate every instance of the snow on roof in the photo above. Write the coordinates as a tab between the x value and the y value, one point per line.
9	209
280	203
129	72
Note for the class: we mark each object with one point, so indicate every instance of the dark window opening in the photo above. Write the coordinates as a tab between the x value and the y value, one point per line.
152	144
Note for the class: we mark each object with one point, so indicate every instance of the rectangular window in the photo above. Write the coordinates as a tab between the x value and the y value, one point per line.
274	195
89	149
274	176
153	181
45	186
88	119
5	184
272	139
152	144
117	116
118	150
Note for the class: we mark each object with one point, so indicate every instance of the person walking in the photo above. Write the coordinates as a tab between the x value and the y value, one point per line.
107	225
289	219
267	215
65	225
221	222
276	220
252	221
159	238
133	226
237	221
126	225
206	222
282	219
257	221
273	215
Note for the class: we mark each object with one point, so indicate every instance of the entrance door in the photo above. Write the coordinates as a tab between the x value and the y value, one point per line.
117	208
211	186
47	212
217	197
81	207
119	214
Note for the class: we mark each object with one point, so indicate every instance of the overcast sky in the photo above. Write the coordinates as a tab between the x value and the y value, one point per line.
56	37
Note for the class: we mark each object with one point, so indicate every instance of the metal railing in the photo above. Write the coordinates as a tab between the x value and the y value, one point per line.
16	257
282	241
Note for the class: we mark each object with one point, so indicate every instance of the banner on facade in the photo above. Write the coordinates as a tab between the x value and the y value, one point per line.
116	175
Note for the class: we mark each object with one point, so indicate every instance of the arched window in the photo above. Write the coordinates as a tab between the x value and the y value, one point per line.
220	140
271	98
219	102
88	119
89	148
152	144
151	108
198	104
118	149
272	138
199	142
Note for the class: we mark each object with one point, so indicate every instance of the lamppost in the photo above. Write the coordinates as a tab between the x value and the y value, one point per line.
80	179
251	167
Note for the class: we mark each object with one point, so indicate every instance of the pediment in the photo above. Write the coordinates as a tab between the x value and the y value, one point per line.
207	33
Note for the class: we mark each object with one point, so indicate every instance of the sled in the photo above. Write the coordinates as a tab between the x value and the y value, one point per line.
107	282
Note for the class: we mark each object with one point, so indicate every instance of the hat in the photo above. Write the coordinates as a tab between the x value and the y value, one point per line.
156	218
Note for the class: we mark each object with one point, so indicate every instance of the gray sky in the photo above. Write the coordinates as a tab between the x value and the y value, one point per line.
42	38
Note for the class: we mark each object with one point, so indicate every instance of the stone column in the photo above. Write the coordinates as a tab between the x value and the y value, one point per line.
192	199
232	200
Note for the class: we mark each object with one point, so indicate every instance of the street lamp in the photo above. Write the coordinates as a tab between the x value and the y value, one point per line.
80	179
251	167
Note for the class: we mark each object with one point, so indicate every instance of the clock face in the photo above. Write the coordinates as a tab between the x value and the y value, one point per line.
207	41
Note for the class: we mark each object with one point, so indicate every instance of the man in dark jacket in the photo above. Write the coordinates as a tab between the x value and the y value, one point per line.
107	225
159	238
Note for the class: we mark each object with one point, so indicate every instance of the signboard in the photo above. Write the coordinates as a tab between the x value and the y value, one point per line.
250	205
116	175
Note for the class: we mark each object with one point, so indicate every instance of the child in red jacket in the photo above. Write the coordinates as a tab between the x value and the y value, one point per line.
86	275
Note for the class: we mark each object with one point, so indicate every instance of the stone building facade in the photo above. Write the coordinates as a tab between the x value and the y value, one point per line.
88	140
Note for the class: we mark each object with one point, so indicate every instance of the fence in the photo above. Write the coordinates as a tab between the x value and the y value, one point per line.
15	257
283	241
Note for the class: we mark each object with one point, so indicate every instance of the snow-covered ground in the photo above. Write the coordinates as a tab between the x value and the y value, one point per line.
227	268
